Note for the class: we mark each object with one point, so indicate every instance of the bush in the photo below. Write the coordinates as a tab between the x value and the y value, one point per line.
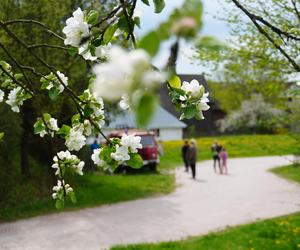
254	116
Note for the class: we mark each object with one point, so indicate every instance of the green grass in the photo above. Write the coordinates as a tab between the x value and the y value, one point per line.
236	145
281	233
276	234
291	172
94	190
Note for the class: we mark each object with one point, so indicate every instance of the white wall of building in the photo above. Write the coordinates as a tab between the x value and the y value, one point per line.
169	134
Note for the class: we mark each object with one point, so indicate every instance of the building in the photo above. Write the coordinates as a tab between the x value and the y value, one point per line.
195	127
166	125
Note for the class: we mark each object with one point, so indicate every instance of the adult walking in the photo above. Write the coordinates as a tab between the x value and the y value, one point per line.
184	154
216	149
192	156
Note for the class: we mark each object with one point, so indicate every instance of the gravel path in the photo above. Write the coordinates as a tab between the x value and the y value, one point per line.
212	202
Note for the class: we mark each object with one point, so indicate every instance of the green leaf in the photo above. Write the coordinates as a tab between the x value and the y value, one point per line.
64	130
158	5
105	154
73	197
47	117
179	91
88	110
53	93
39	126
145	109
137	21
109	33
136	161
75	119
18	76
175	82
59	204
146	2
190	111
93	17
97	42
150	43
123	25
73	51
1	136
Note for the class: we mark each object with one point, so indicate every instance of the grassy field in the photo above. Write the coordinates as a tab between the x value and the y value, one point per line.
291	172
237	146
277	234
93	190
281	233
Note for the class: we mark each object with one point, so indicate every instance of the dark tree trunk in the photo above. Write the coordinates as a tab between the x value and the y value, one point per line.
27	113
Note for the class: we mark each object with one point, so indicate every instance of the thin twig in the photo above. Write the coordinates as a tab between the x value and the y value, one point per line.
42	25
254	20
129	21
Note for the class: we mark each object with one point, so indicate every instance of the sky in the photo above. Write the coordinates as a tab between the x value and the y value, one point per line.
211	26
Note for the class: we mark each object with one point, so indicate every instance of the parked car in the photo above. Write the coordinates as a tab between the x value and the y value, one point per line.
149	151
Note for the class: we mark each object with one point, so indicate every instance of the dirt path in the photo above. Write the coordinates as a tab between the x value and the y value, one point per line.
196	207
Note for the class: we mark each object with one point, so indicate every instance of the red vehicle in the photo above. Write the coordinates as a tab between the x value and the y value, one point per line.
149	152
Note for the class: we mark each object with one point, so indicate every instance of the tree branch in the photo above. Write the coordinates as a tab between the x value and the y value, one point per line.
254	20
26	21
128	20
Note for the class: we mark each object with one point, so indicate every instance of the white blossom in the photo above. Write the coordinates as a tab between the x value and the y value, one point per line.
64	79
69	160
117	76
124	103
86	53
63	155
131	141
183	24
57	84
121	154
60	186
96	157
1	95
68	188
78	168
192	89
103	50
14	100
53	124
76	29
153	78
87	127
75	140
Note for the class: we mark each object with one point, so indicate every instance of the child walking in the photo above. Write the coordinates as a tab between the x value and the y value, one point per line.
223	156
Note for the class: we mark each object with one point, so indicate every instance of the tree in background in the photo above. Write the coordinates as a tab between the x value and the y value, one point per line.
260	58
254	116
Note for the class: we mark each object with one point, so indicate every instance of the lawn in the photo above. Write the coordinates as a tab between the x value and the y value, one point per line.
281	233
93	190
291	172
276	234
236	145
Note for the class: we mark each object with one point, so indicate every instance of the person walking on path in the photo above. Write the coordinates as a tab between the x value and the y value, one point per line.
184	154
216	149
192	157
223	156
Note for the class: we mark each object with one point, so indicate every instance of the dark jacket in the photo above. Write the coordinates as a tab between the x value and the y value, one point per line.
192	154
184	151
